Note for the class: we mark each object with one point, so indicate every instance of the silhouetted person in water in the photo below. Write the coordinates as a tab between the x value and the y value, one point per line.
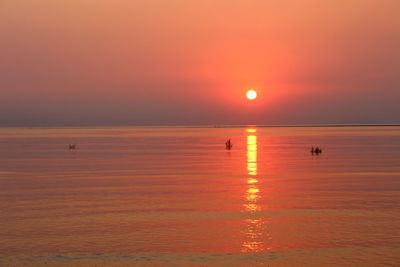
228	144
316	150
71	146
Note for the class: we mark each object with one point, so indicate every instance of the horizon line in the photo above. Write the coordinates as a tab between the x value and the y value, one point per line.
215	125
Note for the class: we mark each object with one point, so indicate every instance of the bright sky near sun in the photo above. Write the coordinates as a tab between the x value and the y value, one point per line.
101	62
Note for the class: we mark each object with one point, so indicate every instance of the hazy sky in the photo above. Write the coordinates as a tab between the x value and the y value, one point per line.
135	62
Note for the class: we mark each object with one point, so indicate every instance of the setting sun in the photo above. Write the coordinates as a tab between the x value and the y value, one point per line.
251	94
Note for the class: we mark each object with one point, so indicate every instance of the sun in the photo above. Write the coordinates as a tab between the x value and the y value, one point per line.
251	95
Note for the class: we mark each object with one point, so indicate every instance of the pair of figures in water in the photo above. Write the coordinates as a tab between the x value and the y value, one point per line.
316	150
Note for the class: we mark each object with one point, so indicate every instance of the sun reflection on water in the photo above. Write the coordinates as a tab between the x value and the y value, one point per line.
252	155
253	233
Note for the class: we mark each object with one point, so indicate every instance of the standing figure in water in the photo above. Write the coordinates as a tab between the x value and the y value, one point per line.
228	144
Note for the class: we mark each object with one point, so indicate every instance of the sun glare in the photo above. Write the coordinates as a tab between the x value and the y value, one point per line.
251	94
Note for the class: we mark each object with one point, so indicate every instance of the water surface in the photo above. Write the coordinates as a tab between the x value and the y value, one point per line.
156	196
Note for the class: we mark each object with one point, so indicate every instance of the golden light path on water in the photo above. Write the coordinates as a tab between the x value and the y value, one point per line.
254	224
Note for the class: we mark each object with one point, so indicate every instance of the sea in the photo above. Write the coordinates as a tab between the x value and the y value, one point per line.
175	196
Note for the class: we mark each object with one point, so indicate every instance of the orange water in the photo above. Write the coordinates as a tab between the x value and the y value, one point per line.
175	197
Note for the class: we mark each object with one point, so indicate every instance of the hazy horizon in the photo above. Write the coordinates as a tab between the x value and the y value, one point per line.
211	125
116	63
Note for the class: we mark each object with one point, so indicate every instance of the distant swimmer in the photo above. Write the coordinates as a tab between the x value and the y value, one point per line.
72	146
228	144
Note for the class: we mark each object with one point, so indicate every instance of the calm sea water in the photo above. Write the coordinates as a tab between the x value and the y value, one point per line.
175	197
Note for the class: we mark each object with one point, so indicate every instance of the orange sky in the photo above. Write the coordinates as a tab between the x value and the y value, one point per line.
123	62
